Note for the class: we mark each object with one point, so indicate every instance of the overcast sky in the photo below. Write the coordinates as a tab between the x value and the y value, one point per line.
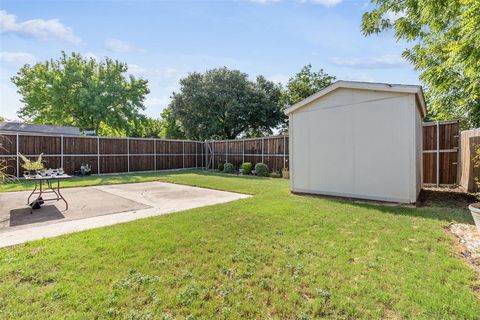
163	41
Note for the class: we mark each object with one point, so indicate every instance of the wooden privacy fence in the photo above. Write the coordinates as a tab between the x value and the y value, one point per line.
440	152
104	155
470	140
273	151
115	155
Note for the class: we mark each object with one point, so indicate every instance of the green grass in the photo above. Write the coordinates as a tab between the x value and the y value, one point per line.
274	255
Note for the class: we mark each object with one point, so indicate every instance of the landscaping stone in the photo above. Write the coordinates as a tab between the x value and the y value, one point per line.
469	238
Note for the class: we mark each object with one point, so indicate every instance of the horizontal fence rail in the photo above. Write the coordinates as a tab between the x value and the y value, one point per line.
117	155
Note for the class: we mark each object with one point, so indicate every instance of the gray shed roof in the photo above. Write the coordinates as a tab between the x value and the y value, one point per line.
38	128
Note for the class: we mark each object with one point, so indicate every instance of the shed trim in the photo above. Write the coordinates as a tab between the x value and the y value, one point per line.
412	89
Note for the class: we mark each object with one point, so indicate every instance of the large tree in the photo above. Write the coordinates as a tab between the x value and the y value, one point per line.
445	48
75	91
171	127
305	83
223	103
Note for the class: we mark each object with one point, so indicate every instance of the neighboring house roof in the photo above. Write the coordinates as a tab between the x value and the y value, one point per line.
414	89
38	128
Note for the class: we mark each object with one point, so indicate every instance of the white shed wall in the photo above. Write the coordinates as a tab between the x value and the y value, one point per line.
356	143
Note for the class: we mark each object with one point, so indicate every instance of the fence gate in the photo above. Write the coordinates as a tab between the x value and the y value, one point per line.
209	155
440	152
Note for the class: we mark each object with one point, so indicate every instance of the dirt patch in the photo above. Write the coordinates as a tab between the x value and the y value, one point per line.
469	240
453	197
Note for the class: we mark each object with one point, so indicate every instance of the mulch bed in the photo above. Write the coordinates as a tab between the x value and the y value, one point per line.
446	197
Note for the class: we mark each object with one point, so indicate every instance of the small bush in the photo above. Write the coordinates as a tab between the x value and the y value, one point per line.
261	169
247	167
275	174
228	168
220	167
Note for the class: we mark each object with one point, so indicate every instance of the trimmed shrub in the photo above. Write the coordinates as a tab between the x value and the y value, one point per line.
275	174
261	169
220	167
228	168
247	167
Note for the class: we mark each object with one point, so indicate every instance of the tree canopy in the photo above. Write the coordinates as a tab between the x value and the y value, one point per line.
89	94
171	127
223	103
305	83
445	38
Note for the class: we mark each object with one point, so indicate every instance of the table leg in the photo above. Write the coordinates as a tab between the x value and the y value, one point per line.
49	184
40	191
31	194
58	190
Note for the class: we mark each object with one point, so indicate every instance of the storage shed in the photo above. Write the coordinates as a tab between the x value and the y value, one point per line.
358	140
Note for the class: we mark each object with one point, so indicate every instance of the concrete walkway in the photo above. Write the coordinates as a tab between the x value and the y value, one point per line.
94	207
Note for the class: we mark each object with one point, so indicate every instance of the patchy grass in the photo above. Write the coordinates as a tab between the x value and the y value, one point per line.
274	255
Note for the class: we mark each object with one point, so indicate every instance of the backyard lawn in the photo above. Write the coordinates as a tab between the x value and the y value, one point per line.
274	255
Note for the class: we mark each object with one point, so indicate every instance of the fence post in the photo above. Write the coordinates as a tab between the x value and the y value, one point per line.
263	143
98	155
196	154
284	150
183	154
154	154
243	150
438	153
61	151
18	163
128	154
226	151
205	146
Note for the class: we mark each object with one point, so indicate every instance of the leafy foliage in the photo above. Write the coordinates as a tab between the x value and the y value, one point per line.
223	103
275	174
81	92
247	167
476	163
32	165
261	169
228	167
305	83
4	175
170	126
445	37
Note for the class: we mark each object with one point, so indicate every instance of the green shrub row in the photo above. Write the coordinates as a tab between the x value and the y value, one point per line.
261	169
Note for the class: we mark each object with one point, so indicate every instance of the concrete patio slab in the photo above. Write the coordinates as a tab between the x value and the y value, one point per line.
83	203
93	207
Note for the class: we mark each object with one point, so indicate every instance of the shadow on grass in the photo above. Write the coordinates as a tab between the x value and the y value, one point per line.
447	214
453	210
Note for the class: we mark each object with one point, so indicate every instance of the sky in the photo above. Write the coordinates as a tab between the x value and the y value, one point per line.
163	41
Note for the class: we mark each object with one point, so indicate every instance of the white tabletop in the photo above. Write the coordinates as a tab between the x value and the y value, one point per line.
39	177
